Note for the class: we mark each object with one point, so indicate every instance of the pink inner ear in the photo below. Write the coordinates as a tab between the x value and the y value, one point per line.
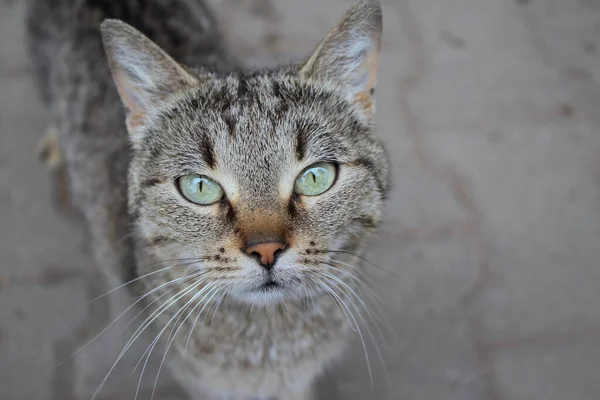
135	120
129	94
365	80
370	65
365	101
364	95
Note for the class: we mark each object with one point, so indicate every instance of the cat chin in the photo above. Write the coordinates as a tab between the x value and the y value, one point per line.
264	297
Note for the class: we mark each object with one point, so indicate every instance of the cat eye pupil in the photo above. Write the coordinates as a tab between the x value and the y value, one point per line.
200	189
316	179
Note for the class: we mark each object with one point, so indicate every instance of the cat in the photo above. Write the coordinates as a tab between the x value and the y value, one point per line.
234	202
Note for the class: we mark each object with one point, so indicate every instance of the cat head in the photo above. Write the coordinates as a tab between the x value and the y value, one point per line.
258	182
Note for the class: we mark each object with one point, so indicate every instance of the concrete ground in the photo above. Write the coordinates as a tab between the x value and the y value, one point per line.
491	113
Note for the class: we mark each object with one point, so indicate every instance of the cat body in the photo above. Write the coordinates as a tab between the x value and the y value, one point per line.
237	201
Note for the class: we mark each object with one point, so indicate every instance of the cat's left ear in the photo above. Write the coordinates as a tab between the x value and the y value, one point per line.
145	75
349	55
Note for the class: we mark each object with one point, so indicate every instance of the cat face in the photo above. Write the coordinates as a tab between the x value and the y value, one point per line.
262	183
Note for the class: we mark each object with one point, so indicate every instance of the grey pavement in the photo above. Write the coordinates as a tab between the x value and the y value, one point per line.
491	113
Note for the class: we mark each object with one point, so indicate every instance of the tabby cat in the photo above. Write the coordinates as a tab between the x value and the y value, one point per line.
236	202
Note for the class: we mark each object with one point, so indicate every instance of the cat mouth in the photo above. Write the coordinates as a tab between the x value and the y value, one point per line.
269	285
267	291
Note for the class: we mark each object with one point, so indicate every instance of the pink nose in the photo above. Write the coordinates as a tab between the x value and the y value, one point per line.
266	253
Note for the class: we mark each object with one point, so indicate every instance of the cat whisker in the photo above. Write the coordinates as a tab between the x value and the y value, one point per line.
191	259
343	311
128	283
306	294
183	280
206	315
187	342
312	297
363	275
377	301
350	292
365	260
341	302
214	315
153	344
125	237
285	306
106	328
174	299
214	289
180	312
371	293
126	347
361	279
178	319
144	276
382	318
200	313
298	298
155	314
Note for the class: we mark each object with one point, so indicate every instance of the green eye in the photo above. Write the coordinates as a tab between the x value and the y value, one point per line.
200	189
315	179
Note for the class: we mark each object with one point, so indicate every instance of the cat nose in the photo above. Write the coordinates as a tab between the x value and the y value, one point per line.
266	252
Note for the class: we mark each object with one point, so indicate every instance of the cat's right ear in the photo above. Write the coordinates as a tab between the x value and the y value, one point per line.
349	55
144	74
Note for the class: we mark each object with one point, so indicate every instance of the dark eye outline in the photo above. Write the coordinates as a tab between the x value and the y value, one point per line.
336	173
186	198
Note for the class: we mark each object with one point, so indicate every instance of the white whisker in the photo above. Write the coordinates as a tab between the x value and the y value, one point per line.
349	290
187	342
214	287
285	306
152	302
128	283
214	314
366	261
127	345
173	299
155	341
115	320
362	274
162	308
382	317
343	304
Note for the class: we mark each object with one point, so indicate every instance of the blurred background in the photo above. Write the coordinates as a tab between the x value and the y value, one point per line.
491	113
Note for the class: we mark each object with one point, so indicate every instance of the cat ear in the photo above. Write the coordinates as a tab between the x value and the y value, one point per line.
349	54
144	74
